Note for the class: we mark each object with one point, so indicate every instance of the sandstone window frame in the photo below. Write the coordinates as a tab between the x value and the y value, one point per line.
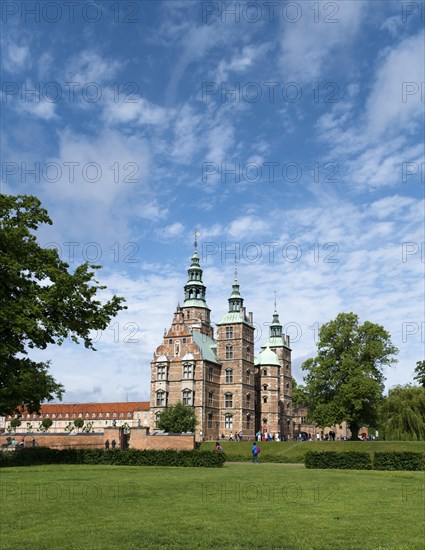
229	351
229	376
188	371
228	421
228	400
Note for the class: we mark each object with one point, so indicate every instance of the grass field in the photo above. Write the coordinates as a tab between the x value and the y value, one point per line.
252	506
293	452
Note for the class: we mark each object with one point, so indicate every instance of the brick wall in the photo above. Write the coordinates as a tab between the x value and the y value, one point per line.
140	440
58	441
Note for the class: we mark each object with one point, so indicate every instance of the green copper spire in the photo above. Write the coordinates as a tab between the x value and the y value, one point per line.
195	289
275	327
235	300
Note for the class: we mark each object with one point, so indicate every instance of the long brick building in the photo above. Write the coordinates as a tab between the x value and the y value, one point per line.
231	390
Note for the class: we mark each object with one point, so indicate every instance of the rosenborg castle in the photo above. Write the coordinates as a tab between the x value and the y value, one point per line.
231	390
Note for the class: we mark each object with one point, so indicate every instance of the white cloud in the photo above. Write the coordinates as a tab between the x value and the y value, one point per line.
308	45
386	108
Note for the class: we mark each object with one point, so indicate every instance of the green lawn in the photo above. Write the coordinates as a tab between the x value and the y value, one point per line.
293	452
252	506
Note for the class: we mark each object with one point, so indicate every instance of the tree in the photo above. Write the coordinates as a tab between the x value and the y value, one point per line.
299	394
177	418
15	423
403	414
345	380
78	423
41	303
420	373
46	423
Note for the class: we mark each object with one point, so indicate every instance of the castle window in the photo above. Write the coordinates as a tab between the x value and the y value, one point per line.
265	421
264	399
157	417
161	372
187	370
210	420
170	341
287	385
265	372
210	374
229	332
229	352
229	376
187	397
265	387
176	348
248	421
228	400
160	398
248	352
210	398
184	340
248	399
228	422
188	314
248	376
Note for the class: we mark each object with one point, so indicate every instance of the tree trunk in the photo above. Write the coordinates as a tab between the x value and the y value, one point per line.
354	429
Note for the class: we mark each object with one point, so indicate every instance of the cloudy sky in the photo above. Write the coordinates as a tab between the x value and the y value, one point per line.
289	133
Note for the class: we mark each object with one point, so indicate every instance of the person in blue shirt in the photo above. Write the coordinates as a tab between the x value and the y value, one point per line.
255	450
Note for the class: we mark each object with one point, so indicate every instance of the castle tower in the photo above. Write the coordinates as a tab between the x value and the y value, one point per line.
195	309
235	351
268	392
185	366
279	343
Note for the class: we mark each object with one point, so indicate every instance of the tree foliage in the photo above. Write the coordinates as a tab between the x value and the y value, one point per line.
420	373
177	418
41	303
46	423
299	394
403	414
15	423
345	380
78	423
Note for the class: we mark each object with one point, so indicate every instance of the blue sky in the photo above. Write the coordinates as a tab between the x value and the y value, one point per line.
291	136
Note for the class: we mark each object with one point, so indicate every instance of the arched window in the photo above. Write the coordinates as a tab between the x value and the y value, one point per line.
265	372
160	398
229	376
248	421
188	371
229	352
248	376
210	398
187	397
161	372
248	399
228	422
264	399
157	417
210	420
228	400
265	387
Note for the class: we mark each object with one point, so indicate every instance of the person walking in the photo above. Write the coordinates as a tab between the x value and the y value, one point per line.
255	450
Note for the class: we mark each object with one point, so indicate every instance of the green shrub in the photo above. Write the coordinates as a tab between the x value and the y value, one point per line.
344	461
129	457
398	461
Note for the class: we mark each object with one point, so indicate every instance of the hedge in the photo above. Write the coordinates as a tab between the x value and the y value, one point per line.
364	461
349	460
117	457
398	461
